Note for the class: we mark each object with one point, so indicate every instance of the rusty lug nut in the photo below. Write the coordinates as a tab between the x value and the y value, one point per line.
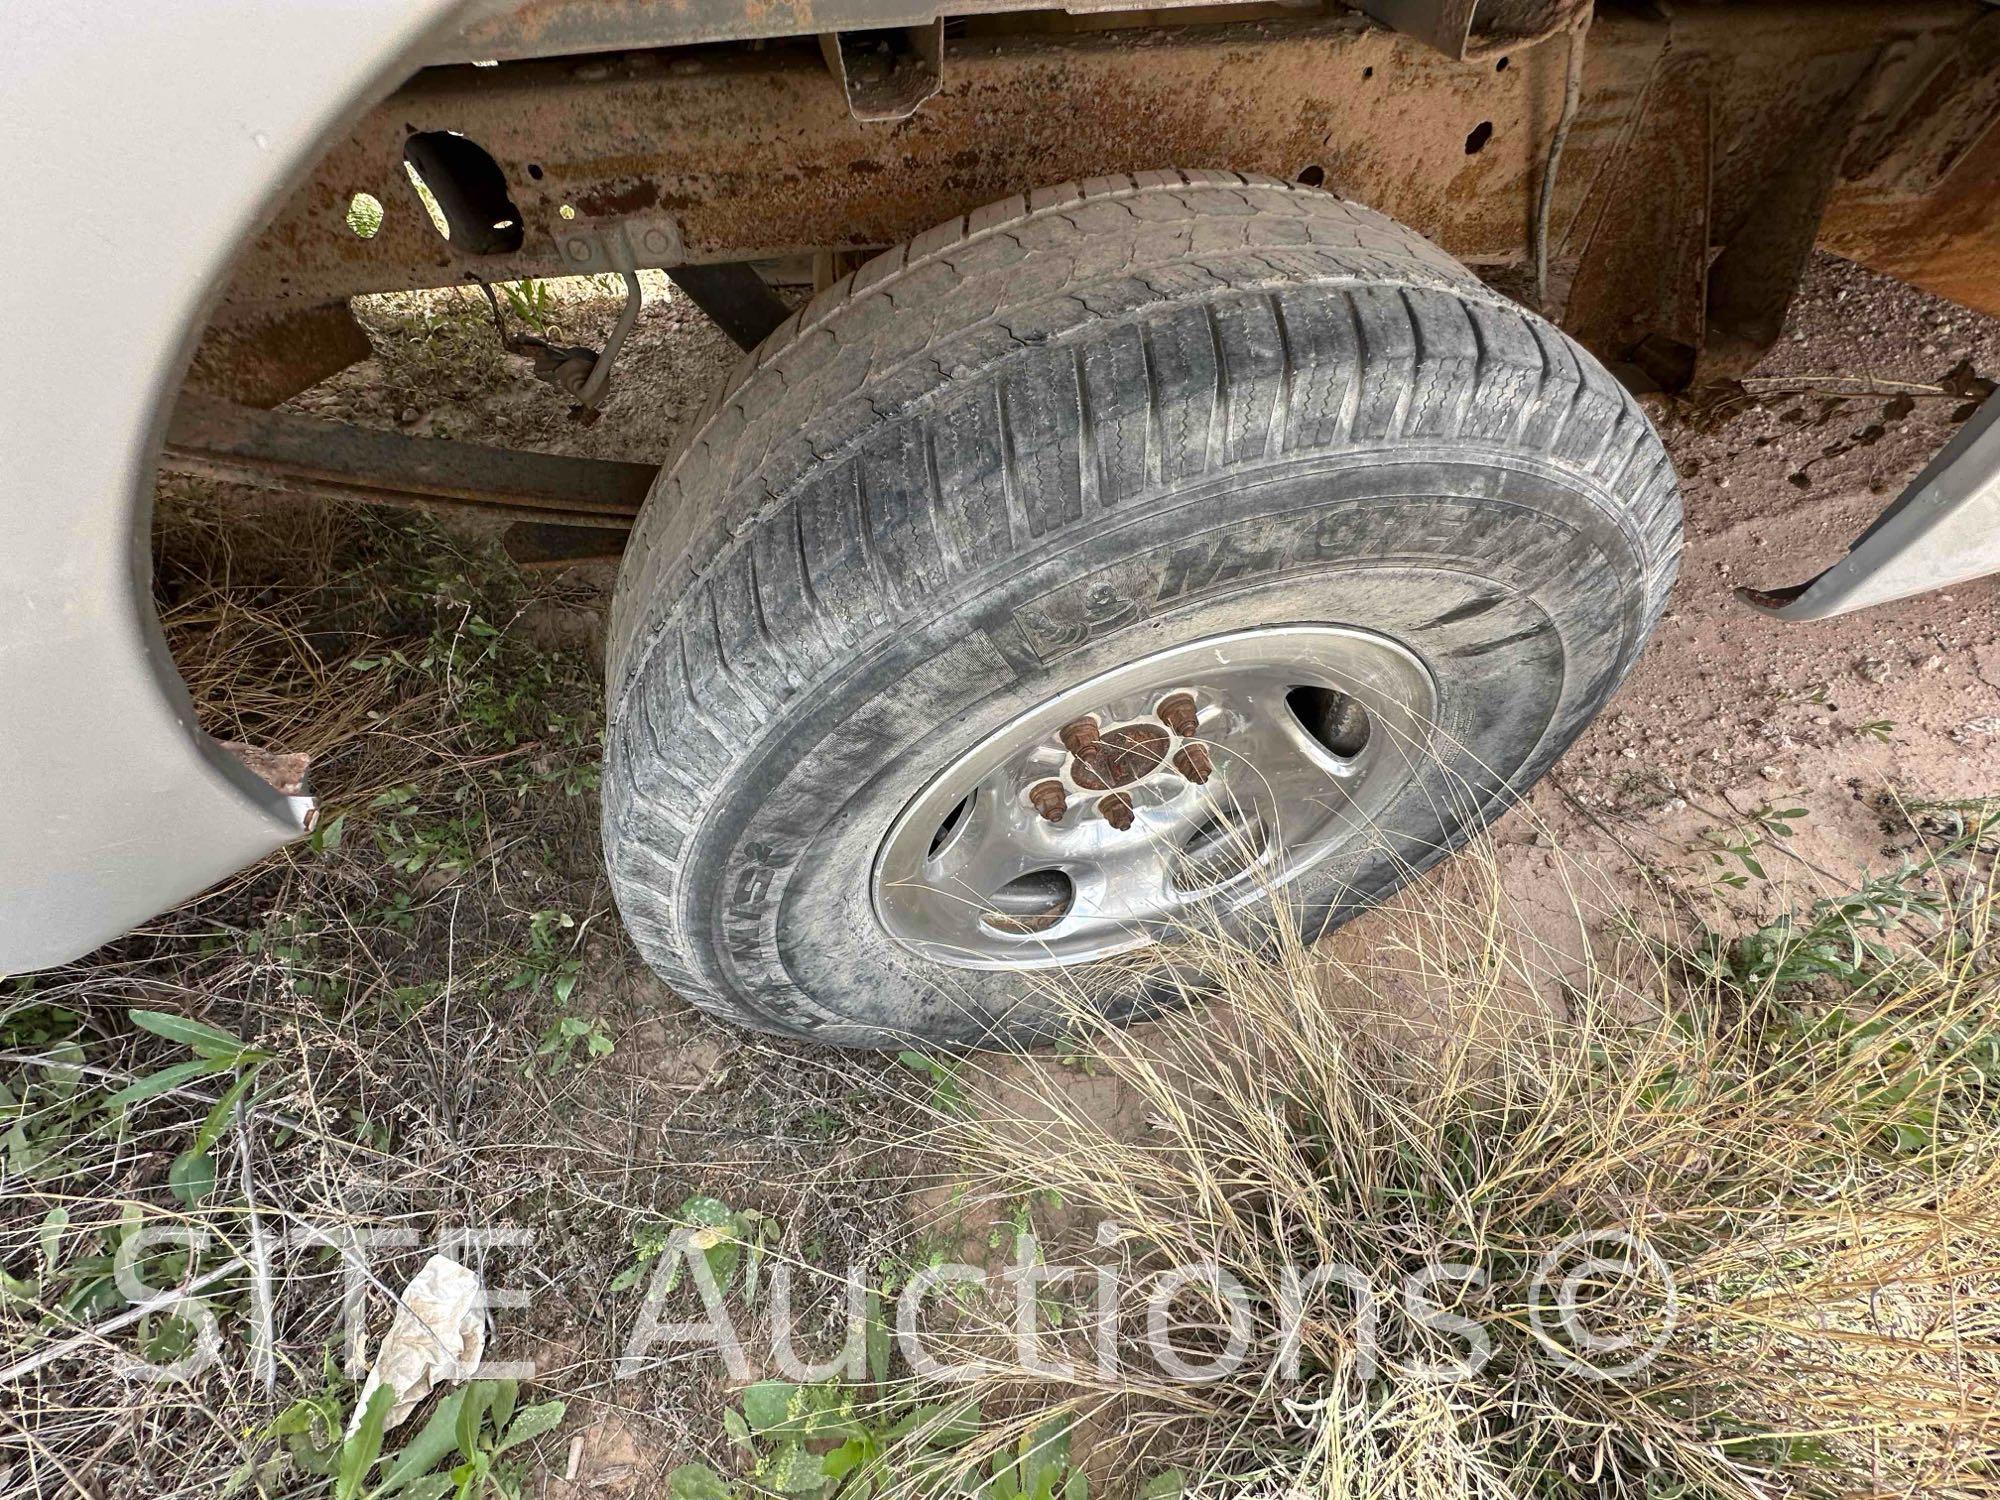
1116	810
1192	762
1176	711
1049	800
1079	737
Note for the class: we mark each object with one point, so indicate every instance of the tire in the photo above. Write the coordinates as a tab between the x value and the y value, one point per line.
1037	441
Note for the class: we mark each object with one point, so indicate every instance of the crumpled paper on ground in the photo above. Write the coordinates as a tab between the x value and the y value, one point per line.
439	1335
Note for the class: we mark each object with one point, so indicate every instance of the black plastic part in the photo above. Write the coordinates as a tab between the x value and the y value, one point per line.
736	299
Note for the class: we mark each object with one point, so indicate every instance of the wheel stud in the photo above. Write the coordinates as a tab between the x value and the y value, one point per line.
1116	810
1049	800
1176	711
1192	762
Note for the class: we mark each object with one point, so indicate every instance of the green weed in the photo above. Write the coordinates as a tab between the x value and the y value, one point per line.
531	302
728	1239
835	1442
1741	844
461	1451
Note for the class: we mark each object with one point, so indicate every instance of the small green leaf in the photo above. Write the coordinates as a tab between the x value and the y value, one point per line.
167	1079
705	1212
471	1412
697	1482
791	1470
49	1236
532	1422
422	1453
737	1429
192	1177
767	1405
879	1345
505	1394
217	1119
209	1041
16	1289
941	1423
359	1452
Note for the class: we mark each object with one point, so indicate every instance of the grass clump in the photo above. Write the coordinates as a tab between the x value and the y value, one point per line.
1720	1223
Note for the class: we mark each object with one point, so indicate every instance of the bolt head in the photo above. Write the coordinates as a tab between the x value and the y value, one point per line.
1116	810
1192	762
1177	712
1049	799
1079	735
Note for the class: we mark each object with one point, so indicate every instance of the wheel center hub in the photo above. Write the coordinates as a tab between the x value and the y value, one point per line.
1130	753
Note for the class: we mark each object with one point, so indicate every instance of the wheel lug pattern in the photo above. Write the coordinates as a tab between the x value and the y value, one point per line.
1132	753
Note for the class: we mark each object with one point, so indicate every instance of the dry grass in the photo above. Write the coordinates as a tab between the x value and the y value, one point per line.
1804	1125
1802	1122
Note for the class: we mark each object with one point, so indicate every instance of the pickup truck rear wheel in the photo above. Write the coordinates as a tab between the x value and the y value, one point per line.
1108	557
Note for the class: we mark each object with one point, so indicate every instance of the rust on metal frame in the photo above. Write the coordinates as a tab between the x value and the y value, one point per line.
1920	199
730	153
1764	253
755	155
1641	286
1474	30
271	354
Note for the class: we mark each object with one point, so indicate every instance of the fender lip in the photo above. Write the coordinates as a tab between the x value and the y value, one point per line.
1944	529
113	803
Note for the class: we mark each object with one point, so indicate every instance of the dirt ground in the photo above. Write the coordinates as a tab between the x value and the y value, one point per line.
1730	711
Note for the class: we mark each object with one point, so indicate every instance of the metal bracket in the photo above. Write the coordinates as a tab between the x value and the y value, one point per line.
1469	30
886	74
619	246
591	246
1943	529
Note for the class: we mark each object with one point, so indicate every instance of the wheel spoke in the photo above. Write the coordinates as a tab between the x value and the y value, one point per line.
951	892
1270	768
